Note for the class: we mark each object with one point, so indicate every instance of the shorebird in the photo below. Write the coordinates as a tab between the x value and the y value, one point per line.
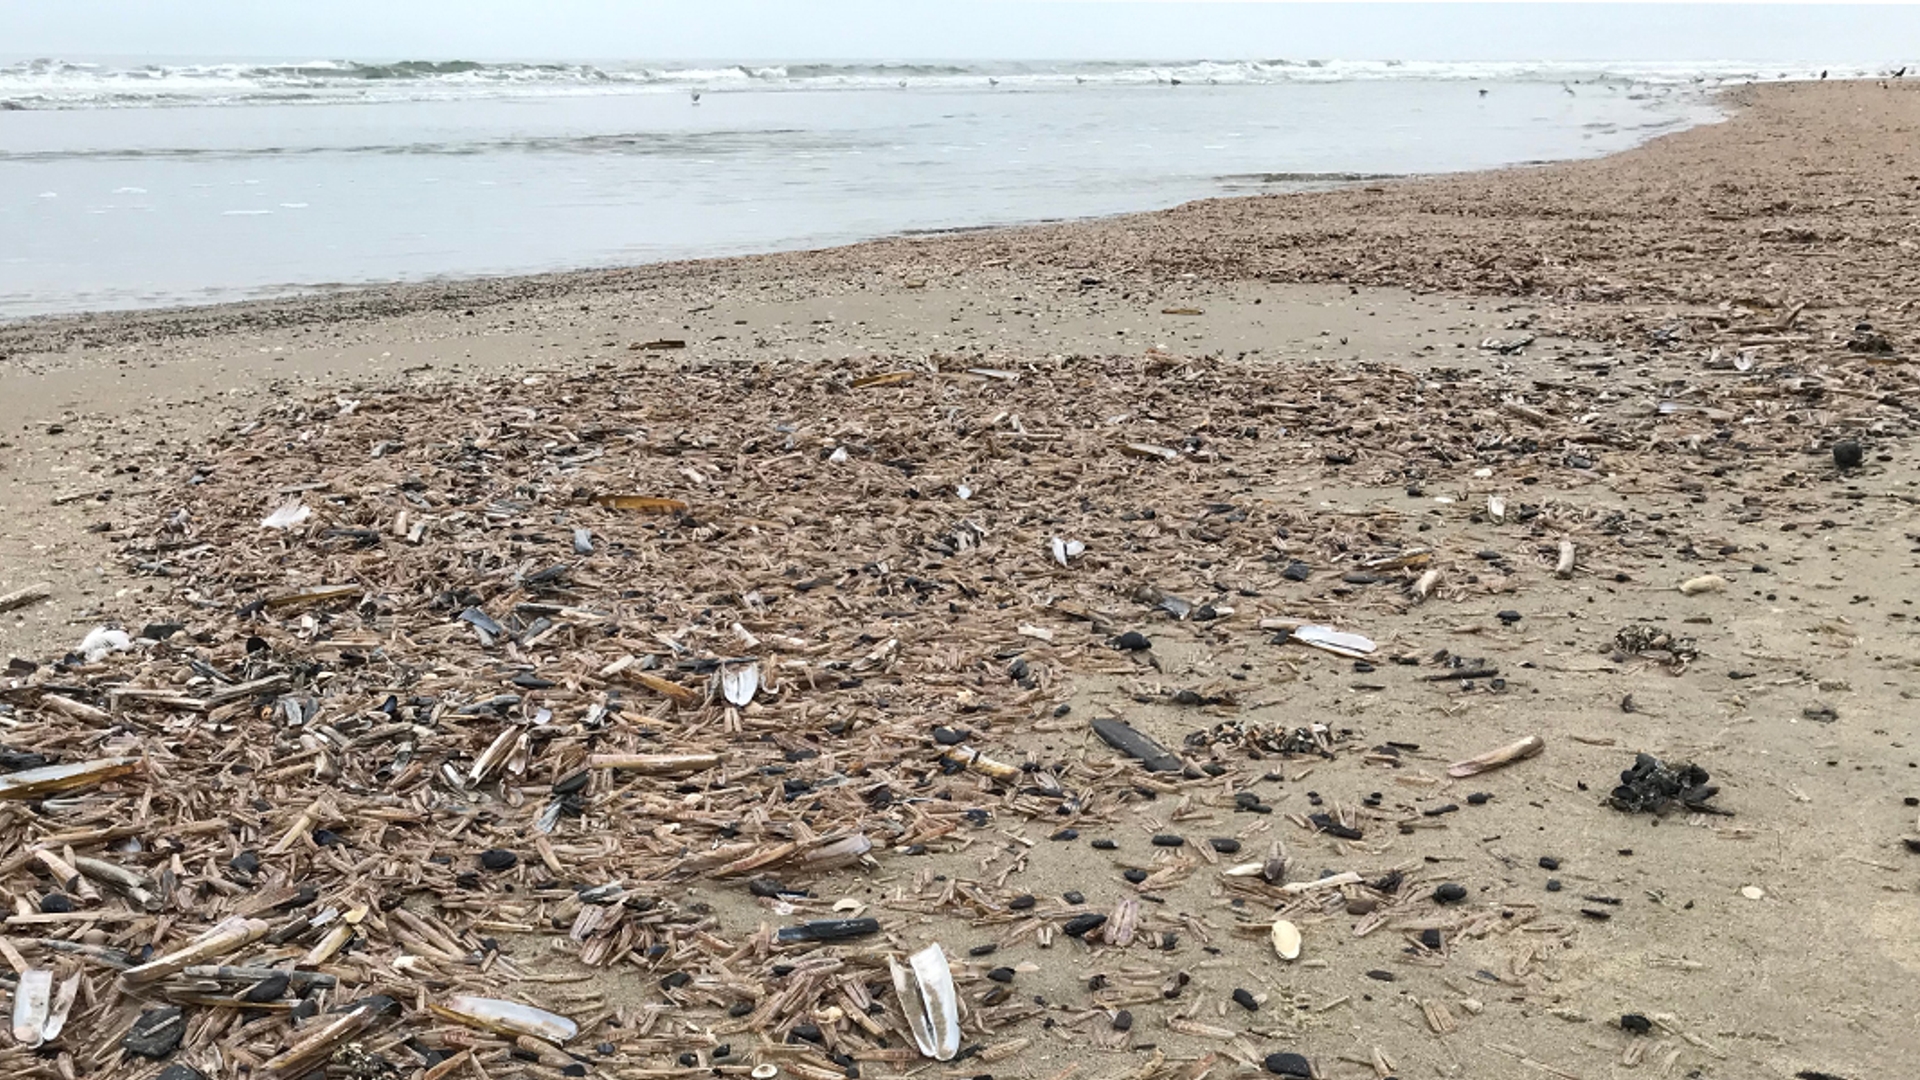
1902	71
1567	88
1483	91
991	81
696	97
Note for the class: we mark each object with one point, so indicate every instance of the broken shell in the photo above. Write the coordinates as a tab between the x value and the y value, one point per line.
765	1071
739	684
507	1018
844	851
1493	759
222	938
1497	509
1705	583
1337	642
32	1002
30	783
1286	939
930	1002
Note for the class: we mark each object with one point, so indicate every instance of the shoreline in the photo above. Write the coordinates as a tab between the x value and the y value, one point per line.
379	299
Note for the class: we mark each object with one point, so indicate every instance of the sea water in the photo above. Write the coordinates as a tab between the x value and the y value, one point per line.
126	184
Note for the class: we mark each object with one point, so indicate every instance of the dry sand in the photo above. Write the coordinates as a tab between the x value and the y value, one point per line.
1644	276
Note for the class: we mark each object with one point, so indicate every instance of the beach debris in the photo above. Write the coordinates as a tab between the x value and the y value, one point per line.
156	1033
287	516
1496	509
1518	750
1289	1064
318	1040
507	1018
1705	583
1422	586
26	597
932	1006
102	642
1124	738
1507	346
1150	451
1654	642
1753	892
889	378
1847	454
1064	550
659	344
1563	566
1654	786
32	1004
1286	939
739	682
49	779
642	504
829	930
1337	642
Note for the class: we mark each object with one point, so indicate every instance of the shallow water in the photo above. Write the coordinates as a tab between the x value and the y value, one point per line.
188	197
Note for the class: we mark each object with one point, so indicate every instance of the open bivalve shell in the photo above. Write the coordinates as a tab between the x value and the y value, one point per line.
927	996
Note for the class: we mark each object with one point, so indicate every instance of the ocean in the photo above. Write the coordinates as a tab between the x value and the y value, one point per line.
128	184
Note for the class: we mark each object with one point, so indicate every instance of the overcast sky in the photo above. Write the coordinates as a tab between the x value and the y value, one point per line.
953	29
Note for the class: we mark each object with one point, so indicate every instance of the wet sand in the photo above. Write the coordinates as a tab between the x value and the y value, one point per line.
1766	241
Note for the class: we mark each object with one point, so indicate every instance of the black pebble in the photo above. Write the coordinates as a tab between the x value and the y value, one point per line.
1066	834
1846	454
1450	893
807	1032
1225	845
984	950
1478	798
1509	617
1635	1023
246	862
1168	840
1134	875
56	903
1297	571
1082	925
723	1051
1132	641
1123	1021
1073	896
1430	940
1104	844
689	1060
1548	862
498	859
1001	974
1378	975
1021	902
739	1009
1244	999
157	1033
946	736
675	981
1289	1065
1553	885
325	837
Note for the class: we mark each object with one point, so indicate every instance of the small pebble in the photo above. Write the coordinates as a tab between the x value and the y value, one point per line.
1225	845
1378	975
1244	999
1430	940
1295	1065
1553	885
1450	893
56	903
498	859
1753	892
1066	834
1548	862
1168	840
1123	1021
1132	641
1134	875
1074	896
1478	798
1635	1023
1021	902
1104	844
1001	974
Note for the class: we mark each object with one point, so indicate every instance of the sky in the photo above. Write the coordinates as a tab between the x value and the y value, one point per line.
951	29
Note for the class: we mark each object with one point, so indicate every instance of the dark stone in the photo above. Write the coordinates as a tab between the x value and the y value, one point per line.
1548	862
56	903
1244	999
805	1033
1297	571
1001	974
1509	616
1377	975
1430	940
689	1060
946	736
1134	875
1123	1021
1450	893
1553	885
1225	845
1289	1064
1066	834
675	981
1082	925
1846	454
1168	840
1132	641
1635	1023
1104	844
987	949
1478	798
499	859
1073	896
1022	902
157	1033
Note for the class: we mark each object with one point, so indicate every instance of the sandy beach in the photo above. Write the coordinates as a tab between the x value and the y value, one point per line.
1392	409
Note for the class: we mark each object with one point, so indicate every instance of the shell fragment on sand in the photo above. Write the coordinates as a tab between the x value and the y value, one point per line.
1337	642
926	993
644	504
32	783
507	1018
738	683
1494	759
1286	939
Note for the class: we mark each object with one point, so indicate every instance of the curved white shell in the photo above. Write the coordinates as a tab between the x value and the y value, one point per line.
928	998
1286	939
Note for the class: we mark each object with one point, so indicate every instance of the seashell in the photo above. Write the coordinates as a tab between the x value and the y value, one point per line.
1705	583
932	1006
738	684
1337	642
32	1001
1286	939
507	1018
